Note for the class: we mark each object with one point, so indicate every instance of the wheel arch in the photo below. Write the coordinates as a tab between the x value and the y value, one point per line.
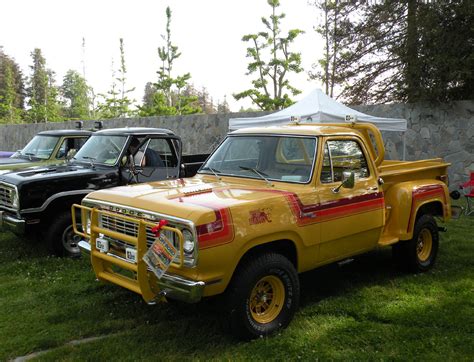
285	245
406	202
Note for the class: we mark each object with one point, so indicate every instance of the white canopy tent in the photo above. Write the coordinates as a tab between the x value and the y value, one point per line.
317	107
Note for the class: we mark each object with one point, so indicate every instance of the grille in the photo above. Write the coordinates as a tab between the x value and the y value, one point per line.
130	228
6	196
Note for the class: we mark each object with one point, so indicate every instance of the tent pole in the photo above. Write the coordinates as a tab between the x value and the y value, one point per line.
404	146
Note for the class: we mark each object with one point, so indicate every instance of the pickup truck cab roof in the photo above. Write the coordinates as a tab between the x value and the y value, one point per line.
66	132
135	131
300	129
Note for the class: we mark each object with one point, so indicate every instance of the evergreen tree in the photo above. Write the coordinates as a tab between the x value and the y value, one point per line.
42	92
109	106
272	62
75	92
223	107
115	103
170	96
11	90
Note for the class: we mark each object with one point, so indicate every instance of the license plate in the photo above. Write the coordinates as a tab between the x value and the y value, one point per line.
131	255
102	245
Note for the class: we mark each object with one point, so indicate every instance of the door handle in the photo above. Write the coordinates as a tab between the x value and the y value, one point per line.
372	188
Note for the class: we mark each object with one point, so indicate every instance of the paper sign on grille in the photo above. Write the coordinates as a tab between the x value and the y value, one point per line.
160	255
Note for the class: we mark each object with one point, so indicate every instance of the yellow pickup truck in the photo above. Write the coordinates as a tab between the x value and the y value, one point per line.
269	203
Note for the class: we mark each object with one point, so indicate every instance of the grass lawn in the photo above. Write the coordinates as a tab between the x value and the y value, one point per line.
365	310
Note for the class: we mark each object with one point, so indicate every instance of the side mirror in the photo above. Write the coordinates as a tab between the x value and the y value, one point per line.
123	161
70	154
348	181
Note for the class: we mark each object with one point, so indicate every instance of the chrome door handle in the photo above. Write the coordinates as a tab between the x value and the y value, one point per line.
372	188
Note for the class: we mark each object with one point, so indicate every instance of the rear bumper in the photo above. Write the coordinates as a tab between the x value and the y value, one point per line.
9	222
170	285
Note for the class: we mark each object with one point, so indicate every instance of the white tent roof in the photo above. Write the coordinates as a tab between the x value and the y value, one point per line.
317	107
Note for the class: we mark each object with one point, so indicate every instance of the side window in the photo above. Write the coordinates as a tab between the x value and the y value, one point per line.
343	156
70	144
159	153
61	154
296	150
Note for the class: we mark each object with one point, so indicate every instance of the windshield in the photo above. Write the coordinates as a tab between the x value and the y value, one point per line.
40	147
277	158
101	149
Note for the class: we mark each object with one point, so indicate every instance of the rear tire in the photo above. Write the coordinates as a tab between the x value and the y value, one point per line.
263	296
419	253
60	236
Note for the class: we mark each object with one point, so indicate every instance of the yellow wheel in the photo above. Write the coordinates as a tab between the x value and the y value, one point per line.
266	299
419	253
263	295
424	245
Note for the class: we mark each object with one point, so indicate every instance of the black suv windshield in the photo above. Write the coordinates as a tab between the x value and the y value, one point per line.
278	158
101	149
40	147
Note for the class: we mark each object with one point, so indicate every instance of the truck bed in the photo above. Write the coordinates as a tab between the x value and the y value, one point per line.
400	171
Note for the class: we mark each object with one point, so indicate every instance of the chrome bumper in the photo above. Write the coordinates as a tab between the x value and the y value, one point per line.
11	223
170	285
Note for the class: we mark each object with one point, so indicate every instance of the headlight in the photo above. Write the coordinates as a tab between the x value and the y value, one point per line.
188	244
15	200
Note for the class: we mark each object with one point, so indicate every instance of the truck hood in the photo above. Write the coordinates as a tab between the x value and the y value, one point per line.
37	184
199	199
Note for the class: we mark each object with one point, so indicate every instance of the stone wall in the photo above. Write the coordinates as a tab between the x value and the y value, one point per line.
445	130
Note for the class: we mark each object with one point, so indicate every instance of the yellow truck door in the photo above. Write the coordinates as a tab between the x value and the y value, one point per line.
351	218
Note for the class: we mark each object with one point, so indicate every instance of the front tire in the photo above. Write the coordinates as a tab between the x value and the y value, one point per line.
60	236
419	253
263	296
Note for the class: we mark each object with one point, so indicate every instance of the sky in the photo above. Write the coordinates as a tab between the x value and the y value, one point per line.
208	34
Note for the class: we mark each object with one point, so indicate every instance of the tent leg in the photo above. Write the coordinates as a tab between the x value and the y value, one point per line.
404	146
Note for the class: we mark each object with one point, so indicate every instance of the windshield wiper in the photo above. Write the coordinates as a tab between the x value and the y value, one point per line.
91	159
214	171
262	174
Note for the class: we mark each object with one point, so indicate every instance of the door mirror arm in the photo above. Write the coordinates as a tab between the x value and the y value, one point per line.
347	183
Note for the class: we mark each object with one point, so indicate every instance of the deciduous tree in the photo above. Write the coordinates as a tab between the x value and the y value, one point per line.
75	92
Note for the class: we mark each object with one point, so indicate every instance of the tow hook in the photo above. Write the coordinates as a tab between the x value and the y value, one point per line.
443	229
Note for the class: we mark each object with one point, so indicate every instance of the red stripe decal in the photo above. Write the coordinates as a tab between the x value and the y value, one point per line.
422	194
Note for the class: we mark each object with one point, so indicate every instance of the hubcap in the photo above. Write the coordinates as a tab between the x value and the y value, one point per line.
424	245
71	240
266	299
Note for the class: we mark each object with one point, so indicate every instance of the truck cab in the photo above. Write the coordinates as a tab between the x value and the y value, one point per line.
47	147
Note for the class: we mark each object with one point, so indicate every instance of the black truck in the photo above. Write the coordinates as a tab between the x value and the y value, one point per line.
37	200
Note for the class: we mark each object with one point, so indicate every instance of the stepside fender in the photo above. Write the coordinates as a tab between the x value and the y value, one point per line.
404	202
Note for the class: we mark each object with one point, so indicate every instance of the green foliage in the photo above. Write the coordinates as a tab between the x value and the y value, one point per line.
75	92
11	90
399	51
272	62
170	96
115	103
42	92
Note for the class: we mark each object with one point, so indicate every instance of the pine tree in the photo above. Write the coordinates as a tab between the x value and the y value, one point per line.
11	90
42	92
272	62
170	96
